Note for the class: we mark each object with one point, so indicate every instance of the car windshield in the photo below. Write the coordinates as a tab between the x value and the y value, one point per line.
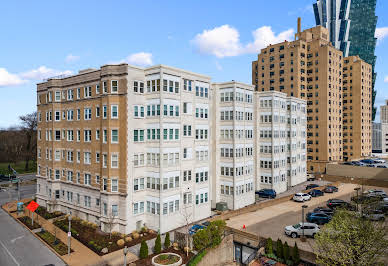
296	226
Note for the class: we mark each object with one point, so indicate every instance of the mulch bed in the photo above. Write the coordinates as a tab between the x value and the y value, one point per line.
28	222
148	261
57	245
96	240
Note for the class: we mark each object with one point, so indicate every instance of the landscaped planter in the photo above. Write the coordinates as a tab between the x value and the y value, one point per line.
170	259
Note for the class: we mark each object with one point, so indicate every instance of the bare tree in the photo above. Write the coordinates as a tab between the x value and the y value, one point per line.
187	217
28	127
110	220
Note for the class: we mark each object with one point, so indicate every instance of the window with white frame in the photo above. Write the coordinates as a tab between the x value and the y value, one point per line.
87	158
104	160
104	111
114	111
98	89
104	87
138	184
115	86
57	116
138	159
70	95
114	136
57	96
88	92
97	157
88	113
104	184
87	135
115	210
114	185
97	179
114	160
87	178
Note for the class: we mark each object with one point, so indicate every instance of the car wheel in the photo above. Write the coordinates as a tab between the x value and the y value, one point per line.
294	235
313	235
382	219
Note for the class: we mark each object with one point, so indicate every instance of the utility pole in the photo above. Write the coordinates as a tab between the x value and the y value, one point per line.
125	251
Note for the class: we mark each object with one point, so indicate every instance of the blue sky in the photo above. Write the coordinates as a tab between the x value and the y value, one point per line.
40	39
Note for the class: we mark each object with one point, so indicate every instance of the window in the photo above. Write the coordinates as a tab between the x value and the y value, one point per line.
104	184
87	178
105	136
115	86
88	92
87	158
98	89
87	113
138	135
105	209
87	135
115	185
114	111
57	96
115	211
114	160
57	135
115	136
57	116
98	111
104	111
105	87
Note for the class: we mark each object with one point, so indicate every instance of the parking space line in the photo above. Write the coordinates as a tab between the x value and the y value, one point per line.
9	253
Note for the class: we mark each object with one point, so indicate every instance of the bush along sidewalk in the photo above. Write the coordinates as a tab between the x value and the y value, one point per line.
283	252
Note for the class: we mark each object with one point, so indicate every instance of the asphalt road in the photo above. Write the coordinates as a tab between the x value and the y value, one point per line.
26	177
17	245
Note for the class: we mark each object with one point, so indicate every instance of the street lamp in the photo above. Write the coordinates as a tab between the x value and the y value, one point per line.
125	250
69	236
303	207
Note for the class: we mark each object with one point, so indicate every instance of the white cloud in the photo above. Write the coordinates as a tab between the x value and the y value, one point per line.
221	41
386	79
381	33
7	79
224	41
264	36
141	59
71	58
43	72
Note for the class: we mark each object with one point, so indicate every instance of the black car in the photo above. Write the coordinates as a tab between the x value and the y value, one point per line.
310	186
266	193
324	210
337	203
330	189
315	193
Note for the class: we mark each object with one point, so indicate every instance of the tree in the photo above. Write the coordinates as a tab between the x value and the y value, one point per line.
110	222
295	255
167	240
201	239
348	239
216	231
143	250
268	246
286	252
279	249
187	220
28	127
158	245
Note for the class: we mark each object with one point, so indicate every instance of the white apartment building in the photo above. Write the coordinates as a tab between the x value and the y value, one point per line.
153	146
280	141
233	144
376	137
384	127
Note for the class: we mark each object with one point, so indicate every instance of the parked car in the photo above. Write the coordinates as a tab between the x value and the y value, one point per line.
266	193
310	177
363	199
382	206
318	217
195	228
310	229
378	160
381	166
324	210
316	193
206	224
310	186
367	161
338	203
358	163
374	215
348	163
330	189
376	192
300	197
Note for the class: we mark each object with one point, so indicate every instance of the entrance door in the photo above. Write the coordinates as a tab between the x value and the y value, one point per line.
237	253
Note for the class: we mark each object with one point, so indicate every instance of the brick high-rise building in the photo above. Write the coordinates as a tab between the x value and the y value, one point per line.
309	68
357	113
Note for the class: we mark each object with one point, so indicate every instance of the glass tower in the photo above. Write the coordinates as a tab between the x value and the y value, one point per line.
352	25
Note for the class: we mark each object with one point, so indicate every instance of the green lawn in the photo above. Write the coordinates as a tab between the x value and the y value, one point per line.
19	167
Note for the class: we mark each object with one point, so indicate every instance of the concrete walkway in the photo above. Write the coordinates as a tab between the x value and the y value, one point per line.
150	243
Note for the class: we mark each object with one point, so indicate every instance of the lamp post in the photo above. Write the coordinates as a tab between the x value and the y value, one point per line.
357	199
303	207
69	236
125	251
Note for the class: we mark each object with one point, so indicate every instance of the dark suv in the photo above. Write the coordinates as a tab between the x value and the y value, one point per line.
337	203
318	217
266	193
324	210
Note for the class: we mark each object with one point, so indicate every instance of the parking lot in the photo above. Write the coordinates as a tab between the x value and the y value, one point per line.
270	221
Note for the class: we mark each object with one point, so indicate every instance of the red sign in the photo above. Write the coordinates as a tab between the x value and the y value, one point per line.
32	206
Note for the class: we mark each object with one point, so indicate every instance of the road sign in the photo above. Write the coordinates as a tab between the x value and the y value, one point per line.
69	234
32	206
